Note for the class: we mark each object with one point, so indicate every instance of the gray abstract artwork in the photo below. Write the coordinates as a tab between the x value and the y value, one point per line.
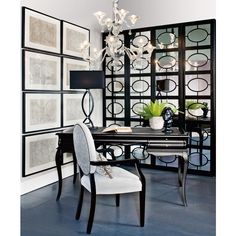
74	40
42	151
43	71
43	111
38	28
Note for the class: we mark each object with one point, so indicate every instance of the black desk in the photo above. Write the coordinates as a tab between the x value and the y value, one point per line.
156	142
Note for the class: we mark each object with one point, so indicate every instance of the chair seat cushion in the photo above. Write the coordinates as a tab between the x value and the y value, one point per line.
123	181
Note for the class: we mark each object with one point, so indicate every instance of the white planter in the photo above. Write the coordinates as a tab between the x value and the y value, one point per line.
194	113
156	122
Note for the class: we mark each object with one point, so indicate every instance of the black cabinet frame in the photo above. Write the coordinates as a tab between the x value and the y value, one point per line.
181	50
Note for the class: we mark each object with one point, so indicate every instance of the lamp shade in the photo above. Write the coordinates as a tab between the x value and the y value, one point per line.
82	79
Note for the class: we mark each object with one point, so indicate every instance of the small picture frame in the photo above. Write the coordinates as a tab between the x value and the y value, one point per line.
69	65
41	111
39	152
72	108
41	31
41	71
73	37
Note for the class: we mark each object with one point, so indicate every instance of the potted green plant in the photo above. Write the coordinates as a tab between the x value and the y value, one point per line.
153	112
194	108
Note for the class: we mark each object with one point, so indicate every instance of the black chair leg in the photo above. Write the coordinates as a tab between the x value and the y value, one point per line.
75	168
80	203
92	211
142	207
117	200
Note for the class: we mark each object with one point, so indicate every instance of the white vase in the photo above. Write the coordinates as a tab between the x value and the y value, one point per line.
156	122
194	113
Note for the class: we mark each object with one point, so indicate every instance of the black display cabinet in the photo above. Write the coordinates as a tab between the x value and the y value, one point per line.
182	69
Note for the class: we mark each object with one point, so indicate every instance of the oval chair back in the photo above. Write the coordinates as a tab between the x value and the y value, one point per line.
84	148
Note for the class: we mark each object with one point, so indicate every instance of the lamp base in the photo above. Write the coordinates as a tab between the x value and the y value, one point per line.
87	119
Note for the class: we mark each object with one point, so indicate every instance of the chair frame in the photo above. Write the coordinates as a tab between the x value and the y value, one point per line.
93	191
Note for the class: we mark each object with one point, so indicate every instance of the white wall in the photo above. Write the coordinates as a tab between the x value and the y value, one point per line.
79	12
161	12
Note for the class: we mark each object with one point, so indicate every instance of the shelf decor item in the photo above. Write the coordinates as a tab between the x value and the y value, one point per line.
168	114
159	114
194	109
205	109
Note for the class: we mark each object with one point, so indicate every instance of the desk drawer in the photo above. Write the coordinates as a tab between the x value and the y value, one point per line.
167	144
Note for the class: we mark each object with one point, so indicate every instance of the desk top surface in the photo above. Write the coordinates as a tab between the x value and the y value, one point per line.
136	131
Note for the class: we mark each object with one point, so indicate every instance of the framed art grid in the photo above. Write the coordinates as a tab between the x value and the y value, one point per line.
39	152
41	71
41	31
47	100
41	111
73	37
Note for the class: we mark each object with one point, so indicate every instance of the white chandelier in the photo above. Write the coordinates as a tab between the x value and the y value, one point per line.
114	48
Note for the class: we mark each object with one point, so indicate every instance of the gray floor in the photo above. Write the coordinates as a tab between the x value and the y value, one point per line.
41	215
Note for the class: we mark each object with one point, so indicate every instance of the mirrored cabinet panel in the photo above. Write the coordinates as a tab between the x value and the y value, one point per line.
181	71
167	38
140	86
198	35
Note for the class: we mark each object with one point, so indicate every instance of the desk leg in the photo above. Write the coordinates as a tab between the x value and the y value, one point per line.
182	174
75	167
59	156
180	171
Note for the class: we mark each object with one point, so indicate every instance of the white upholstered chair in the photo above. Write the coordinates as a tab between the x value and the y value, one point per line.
120	181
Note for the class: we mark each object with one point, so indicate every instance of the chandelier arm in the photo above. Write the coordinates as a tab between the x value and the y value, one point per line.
101	51
126	23
129	50
130	53
103	57
86	58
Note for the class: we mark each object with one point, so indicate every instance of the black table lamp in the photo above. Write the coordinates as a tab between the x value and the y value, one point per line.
81	79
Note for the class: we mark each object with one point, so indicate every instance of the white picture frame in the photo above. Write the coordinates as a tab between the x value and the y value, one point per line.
41	71
41	31
73	37
72	108
42	111
69	65
39	152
